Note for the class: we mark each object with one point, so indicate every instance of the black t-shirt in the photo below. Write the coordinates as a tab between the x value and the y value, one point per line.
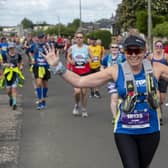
15	59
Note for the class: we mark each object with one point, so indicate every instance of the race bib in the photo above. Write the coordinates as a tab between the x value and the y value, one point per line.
135	120
80	60
95	59
80	64
4	49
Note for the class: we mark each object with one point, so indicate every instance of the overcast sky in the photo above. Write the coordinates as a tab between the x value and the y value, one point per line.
51	11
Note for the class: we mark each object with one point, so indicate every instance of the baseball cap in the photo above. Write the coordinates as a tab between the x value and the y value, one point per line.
40	35
11	45
93	38
133	40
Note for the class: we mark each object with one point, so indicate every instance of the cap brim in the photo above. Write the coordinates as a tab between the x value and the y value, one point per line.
133	44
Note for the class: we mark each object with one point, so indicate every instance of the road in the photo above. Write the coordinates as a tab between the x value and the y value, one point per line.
53	138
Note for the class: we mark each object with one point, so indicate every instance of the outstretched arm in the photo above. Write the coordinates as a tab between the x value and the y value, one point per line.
160	70
91	80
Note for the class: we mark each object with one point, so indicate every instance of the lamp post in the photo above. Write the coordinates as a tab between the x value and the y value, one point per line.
149	26
80	14
59	26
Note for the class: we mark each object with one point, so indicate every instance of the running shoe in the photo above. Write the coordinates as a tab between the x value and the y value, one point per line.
43	104
39	106
91	95
84	114
75	111
10	102
97	94
161	121
14	107
113	121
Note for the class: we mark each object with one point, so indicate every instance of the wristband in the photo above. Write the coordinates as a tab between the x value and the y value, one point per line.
60	69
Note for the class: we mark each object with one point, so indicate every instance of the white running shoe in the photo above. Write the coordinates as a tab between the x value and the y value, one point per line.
75	111
84	114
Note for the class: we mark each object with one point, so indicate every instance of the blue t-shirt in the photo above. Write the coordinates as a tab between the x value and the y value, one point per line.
109	61
143	119
4	48
38	51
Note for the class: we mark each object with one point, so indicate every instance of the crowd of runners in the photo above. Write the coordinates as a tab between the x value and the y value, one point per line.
136	109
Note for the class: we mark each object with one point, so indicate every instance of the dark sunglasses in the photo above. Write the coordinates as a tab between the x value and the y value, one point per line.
79	37
130	51
113	47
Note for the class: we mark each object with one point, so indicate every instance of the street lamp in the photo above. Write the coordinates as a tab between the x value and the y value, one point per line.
149	26
80	14
59	26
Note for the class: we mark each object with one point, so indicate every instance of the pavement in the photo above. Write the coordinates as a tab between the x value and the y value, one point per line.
10	132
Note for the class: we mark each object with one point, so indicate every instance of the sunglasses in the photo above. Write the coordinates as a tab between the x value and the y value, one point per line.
136	51
113	47
159	46
79	37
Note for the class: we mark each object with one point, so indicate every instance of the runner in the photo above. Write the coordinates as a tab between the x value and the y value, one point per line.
4	46
160	56
40	70
1	62
114	57
12	74
95	64
78	57
99	44
137	129
67	46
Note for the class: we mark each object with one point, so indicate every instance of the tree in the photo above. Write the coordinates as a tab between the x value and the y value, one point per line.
142	18
141	22
126	11
161	30
64	30
103	35
27	23
75	24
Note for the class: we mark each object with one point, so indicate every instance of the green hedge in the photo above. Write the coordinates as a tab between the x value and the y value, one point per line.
104	35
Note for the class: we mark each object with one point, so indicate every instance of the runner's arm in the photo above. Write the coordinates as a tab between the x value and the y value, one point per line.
160	70
92	80
69	56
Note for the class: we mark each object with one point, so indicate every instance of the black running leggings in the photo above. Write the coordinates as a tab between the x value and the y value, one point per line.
137	151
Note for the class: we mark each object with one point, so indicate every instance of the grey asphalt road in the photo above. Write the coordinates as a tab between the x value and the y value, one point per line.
53	138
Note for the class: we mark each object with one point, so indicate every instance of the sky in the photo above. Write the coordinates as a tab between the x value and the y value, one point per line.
12	12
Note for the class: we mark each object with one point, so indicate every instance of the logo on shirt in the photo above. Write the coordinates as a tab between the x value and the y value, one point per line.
141	83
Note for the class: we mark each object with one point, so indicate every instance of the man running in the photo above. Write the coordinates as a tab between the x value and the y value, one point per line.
40	70
114	57
78	57
95	64
12	73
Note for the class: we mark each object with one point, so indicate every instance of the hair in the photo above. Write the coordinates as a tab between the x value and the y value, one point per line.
99	41
158	41
79	32
134	32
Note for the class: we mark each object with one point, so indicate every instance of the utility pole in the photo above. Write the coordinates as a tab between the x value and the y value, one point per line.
59	26
80	14
149	26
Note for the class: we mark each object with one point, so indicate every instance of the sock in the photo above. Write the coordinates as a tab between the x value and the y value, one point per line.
45	91
10	96
14	101
39	93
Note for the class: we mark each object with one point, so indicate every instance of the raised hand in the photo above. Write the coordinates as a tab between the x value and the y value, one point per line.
52	56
